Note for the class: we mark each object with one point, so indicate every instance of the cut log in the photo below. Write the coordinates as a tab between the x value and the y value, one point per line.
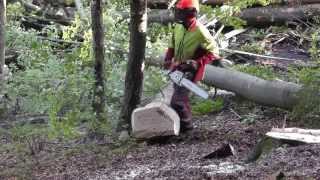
277	137
163	4
296	134
260	16
157	118
154	120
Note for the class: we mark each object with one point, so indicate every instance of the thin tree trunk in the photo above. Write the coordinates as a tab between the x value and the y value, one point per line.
2	33
79	8
98	51
134	75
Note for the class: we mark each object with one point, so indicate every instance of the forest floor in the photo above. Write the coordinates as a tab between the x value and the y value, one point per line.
180	157
241	124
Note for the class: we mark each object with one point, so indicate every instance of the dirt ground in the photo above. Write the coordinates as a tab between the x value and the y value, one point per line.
180	157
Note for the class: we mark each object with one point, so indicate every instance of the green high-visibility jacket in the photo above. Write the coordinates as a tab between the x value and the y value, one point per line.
186	42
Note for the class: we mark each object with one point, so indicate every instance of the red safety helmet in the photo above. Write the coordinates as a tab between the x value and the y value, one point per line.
186	4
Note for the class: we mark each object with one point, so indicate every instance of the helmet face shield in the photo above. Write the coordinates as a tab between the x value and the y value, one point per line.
182	15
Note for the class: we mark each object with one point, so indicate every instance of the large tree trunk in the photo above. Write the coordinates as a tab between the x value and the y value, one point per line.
134	75
260	16
272	93
163	4
2	34
98	51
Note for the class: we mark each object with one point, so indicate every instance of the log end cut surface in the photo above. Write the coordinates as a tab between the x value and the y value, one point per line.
154	120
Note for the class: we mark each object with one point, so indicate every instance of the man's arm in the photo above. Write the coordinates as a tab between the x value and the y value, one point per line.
168	57
208	53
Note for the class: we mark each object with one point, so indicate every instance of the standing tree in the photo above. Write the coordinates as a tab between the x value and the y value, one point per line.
134	75
98	52
2	34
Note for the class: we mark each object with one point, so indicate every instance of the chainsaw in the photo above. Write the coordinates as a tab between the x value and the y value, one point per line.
178	78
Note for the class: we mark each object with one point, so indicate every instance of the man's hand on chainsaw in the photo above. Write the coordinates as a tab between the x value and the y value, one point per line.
189	68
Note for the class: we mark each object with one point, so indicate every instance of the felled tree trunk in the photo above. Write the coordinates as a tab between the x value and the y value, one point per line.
269	15
163	4
260	16
272	93
160	16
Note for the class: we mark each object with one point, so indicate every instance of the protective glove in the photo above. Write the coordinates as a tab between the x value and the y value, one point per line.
189	68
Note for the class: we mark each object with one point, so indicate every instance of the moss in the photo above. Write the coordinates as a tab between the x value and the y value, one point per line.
201	107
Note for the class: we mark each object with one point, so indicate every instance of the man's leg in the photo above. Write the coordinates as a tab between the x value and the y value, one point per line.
181	104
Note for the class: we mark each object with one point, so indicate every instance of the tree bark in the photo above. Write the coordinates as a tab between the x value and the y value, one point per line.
163	4
260	16
2	34
99	63
271	93
134	75
268	15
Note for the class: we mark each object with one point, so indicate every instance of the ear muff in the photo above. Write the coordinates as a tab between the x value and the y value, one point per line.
185	13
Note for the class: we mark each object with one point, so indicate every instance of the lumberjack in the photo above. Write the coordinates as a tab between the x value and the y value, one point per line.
190	49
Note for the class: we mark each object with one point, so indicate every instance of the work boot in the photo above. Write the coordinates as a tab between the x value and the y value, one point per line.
185	126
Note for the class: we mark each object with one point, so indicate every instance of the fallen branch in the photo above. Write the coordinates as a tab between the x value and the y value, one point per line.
30	6
261	56
296	62
234	33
